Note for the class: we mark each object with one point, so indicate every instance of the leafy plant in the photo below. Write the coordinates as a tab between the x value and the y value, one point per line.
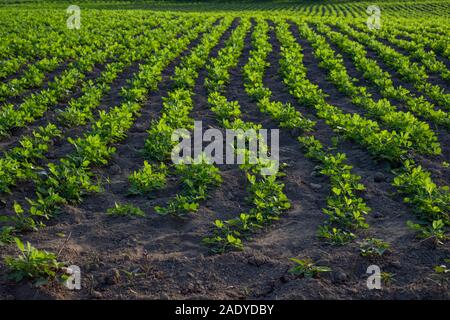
443	269
179	206
33	264
196	177
430	201
224	238
46	205
224	109
148	179
125	210
21	220
6	235
69	178
435	231
387	277
159	143
371	247
307	268
92	149
345	208
335	236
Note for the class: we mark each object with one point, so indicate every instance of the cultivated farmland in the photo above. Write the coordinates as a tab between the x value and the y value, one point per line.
91	95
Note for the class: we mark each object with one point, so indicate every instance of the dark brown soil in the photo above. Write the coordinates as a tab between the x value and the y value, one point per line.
162	257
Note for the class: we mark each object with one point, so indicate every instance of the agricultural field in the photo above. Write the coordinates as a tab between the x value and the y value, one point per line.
351	203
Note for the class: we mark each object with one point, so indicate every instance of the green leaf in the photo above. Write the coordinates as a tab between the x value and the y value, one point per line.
20	244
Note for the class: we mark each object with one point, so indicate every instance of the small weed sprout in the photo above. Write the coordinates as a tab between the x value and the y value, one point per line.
372	247
123	210
434	231
307	268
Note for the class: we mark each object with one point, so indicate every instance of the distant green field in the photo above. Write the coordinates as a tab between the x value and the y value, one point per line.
406	8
